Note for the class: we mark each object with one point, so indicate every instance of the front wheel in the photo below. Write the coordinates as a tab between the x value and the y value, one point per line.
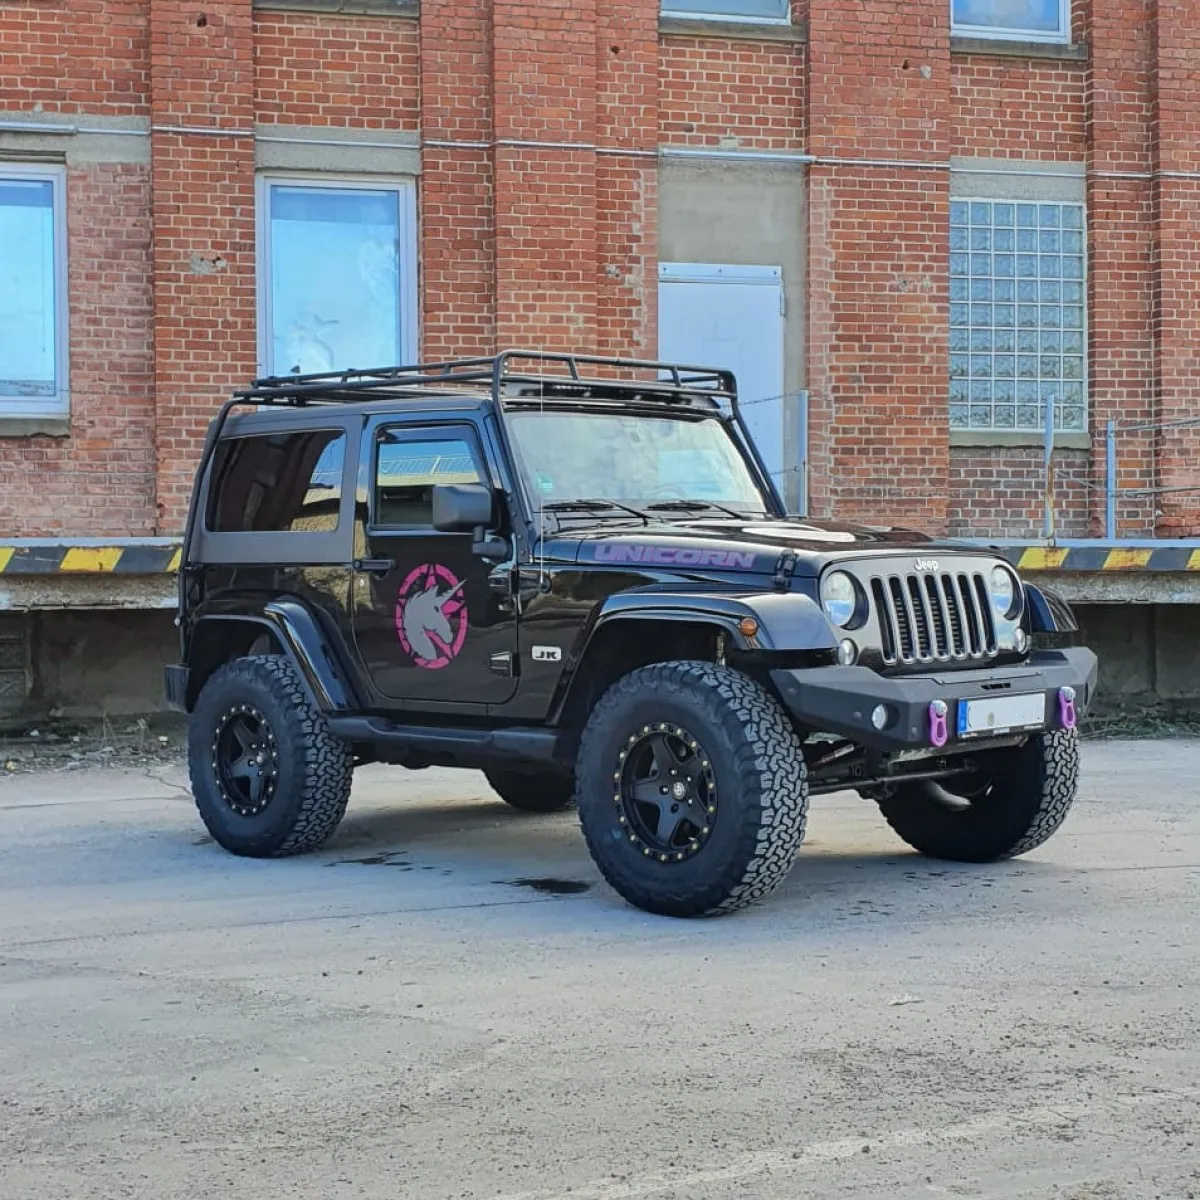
1011	805
692	789
268	776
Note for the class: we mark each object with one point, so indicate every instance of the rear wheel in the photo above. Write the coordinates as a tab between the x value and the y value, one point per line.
268	776
692	789
1011	805
540	793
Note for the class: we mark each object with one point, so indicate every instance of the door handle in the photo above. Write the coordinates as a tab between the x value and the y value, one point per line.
374	566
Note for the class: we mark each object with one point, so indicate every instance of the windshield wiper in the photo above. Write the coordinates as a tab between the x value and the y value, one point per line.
691	506
591	506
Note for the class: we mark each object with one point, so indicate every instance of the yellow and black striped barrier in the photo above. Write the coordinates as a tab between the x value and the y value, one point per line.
1104	558
159	556
135	556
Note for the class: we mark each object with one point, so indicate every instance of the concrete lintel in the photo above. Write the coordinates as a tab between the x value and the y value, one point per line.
1004	48
1018	178
742	31
74	138
337	150
1121	587
29	593
998	439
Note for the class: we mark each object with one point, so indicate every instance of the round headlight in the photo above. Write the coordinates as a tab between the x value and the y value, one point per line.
1003	587
839	598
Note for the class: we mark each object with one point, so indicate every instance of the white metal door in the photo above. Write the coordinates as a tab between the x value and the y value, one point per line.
732	317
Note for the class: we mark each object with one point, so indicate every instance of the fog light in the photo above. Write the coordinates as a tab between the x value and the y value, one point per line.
847	653
1020	640
879	716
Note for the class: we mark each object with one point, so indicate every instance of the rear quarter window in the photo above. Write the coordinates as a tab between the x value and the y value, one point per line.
278	483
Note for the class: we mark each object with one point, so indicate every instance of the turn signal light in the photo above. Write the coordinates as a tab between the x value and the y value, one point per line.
748	626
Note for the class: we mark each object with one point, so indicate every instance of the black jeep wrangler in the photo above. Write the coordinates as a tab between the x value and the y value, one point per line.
575	574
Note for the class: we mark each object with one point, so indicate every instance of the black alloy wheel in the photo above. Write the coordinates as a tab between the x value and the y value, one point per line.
666	792
245	760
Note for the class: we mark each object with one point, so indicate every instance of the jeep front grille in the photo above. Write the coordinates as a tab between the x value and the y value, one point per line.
933	618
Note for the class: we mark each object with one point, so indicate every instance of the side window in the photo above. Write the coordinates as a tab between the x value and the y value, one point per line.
33	276
278	482
408	465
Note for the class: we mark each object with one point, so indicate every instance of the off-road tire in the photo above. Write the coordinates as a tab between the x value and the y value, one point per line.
314	768
760	778
541	793
1026	794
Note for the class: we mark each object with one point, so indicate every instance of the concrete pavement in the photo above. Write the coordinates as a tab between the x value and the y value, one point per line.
402	1016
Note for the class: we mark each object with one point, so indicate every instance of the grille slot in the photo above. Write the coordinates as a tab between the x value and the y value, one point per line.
933	618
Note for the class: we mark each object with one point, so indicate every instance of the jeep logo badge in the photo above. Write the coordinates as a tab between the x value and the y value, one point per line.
927	564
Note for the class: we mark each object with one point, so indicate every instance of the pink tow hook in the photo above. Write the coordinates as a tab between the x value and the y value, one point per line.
1066	707
939	735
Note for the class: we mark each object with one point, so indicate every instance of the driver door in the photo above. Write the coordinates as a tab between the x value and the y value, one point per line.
429	627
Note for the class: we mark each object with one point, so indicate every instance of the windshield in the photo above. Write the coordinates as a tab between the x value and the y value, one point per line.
638	460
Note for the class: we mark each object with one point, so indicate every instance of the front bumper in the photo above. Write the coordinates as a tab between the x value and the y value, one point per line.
840	700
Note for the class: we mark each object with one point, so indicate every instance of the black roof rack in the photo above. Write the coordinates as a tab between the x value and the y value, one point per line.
559	375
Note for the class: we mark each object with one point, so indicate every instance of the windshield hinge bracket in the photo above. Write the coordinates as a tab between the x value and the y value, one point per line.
785	568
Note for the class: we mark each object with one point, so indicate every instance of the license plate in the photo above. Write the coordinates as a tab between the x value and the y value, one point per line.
1001	714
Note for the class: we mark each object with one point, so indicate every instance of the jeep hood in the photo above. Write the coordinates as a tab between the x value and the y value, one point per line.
726	543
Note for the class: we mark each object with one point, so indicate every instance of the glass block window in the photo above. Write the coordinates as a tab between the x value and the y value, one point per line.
1017	316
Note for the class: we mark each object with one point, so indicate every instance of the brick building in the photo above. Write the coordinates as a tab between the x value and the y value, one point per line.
912	225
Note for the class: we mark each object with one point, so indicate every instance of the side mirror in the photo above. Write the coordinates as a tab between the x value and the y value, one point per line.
461	507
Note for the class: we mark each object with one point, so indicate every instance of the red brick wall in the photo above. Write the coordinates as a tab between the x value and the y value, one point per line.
878	259
458	267
350	72
1011	481
1017	108
738	94
100	480
1176	209
203	209
558	244
627	108
75	55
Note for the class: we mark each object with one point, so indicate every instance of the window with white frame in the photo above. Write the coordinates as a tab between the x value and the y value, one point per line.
1022	20
1017	315
337	275
775	11
33	326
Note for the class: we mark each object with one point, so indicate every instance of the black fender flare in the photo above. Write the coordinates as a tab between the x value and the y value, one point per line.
1047	612
302	640
786	620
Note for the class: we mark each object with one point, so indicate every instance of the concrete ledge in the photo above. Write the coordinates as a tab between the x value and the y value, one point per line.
742	31
408	10
74	138
1124	587
35	593
27	427
998	439
1002	48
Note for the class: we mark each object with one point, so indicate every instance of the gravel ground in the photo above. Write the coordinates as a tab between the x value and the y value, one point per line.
448	1002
